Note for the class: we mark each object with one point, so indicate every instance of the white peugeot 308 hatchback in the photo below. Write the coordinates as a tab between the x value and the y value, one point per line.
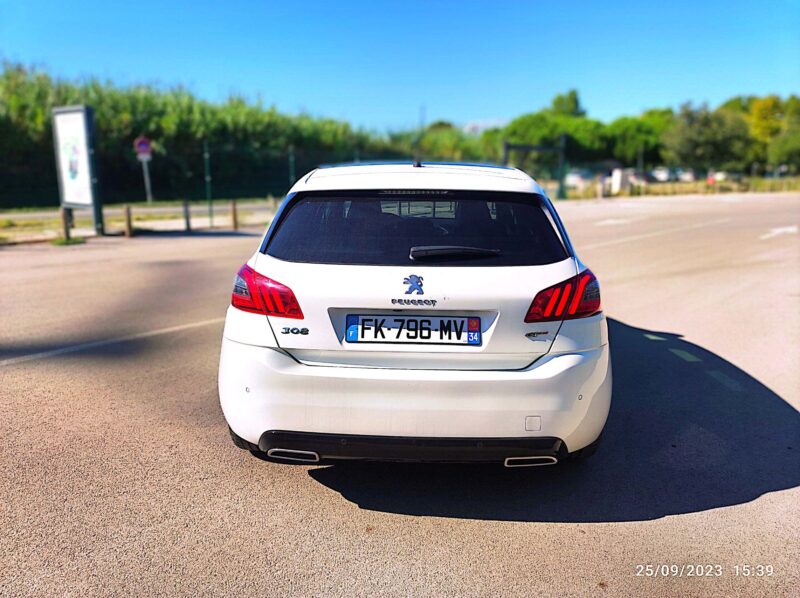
416	312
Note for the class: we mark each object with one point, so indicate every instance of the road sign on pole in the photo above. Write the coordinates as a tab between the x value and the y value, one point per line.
143	149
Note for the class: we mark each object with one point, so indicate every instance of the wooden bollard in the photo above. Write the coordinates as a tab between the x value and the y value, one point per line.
128	221
187	217
234	215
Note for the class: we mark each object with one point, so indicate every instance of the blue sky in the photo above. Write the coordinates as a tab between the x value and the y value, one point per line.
375	63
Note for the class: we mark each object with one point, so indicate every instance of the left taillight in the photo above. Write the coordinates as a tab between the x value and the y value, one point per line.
258	294
577	297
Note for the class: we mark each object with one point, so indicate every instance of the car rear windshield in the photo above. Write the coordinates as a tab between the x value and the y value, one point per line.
436	228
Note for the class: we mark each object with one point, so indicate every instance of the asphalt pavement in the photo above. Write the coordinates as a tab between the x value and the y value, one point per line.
117	474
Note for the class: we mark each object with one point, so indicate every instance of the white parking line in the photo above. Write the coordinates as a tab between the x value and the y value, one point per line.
685	355
725	380
613	221
654	337
110	341
657	233
781	230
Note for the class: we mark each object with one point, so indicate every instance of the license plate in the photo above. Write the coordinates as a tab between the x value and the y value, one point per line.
439	330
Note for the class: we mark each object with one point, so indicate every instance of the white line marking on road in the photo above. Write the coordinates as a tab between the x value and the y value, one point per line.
657	233
725	380
110	341
685	355
781	230
653	337
613	221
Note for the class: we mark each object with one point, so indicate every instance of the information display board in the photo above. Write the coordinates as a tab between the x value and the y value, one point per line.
72	138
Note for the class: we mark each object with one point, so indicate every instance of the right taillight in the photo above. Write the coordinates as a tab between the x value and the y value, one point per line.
577	297
256	293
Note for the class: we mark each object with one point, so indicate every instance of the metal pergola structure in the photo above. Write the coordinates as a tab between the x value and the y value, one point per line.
559	149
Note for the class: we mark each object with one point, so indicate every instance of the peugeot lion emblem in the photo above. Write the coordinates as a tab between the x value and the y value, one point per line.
414	283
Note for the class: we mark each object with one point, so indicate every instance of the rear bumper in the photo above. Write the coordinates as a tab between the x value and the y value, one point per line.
562	396
405	448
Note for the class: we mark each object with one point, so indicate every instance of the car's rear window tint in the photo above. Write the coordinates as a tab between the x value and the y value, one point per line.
381	229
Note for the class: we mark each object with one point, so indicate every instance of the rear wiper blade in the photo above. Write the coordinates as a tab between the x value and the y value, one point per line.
433	251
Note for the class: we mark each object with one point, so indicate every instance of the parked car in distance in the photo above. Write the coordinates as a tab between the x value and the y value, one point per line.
578	179
662	174
416	312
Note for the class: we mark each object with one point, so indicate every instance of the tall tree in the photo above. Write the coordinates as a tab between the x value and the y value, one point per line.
704	139
568	104
629	136
740	104
766	117
585	137
784	148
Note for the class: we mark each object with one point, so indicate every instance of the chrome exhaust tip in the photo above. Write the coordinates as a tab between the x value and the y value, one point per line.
530	461
293	455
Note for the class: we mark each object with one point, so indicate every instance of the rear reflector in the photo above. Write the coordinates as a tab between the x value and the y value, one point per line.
258	294
578	297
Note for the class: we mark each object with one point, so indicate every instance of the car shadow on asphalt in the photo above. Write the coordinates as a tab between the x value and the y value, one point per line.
688	431
91	339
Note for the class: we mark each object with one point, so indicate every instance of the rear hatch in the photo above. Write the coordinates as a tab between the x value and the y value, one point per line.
415	280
